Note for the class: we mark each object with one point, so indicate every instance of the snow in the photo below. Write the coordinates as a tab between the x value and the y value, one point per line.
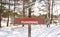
13	32
37	31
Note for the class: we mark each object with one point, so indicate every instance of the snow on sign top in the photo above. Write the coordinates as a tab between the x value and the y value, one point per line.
29	21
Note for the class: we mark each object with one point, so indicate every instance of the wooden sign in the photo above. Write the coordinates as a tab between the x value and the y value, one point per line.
29	20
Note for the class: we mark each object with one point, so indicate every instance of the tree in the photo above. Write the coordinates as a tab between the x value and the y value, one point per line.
50	11
8	10
1	11
48	15
8	14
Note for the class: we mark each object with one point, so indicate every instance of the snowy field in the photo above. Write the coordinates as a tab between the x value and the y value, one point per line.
37	31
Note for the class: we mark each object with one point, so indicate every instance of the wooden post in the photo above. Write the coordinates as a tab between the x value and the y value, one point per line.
29	26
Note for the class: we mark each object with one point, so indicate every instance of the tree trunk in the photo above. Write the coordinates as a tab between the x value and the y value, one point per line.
0	20
52	11
14	9
48	25
0	12
8	22
8	15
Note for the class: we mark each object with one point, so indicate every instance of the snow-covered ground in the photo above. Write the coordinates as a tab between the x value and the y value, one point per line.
37	31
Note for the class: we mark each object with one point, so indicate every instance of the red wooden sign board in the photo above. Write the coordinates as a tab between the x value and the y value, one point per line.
29	20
